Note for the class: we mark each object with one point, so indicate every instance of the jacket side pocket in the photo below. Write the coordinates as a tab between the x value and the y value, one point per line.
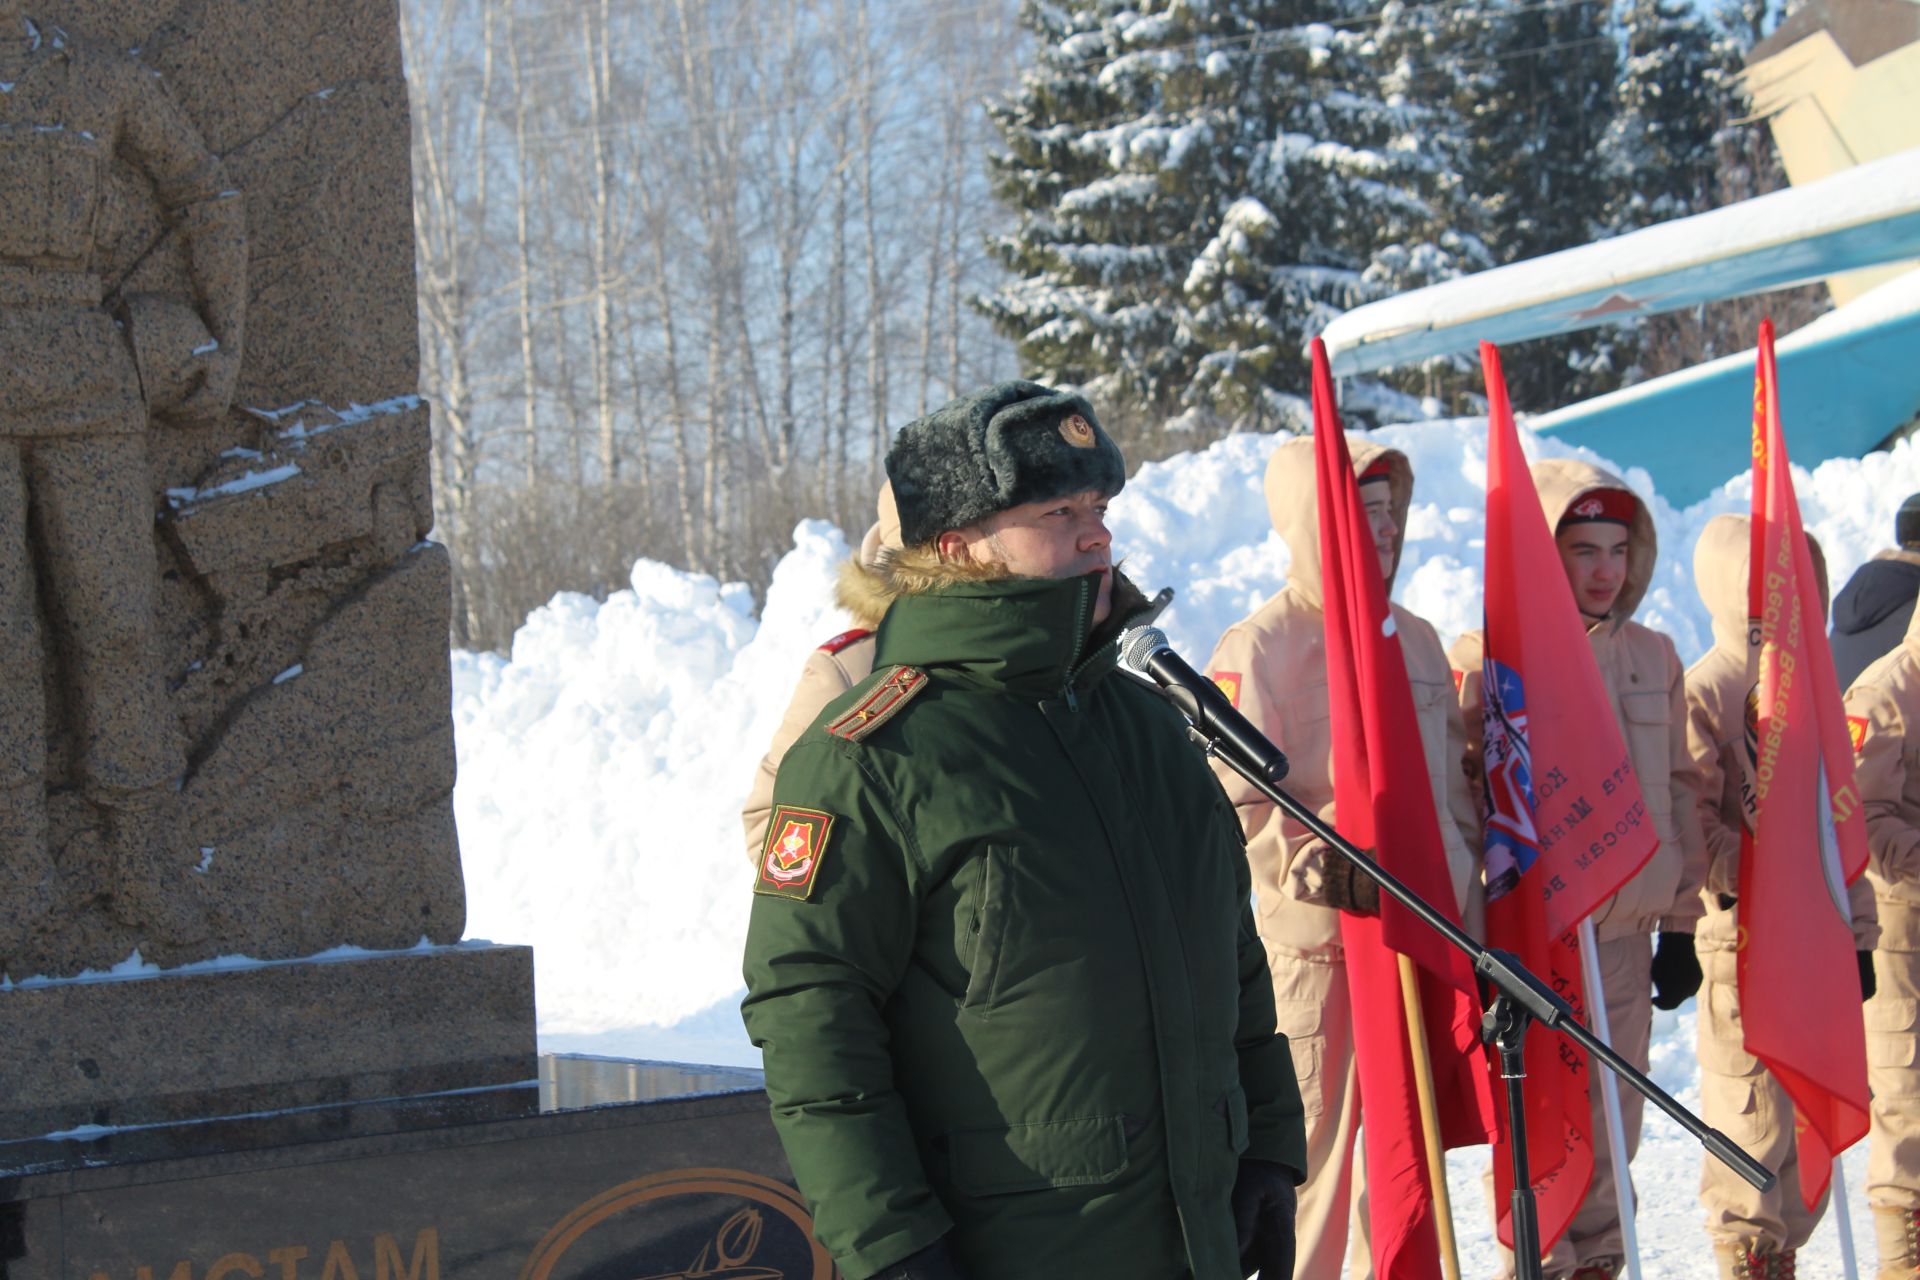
988	926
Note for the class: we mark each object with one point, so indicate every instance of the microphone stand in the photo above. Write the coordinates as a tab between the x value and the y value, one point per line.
1521	999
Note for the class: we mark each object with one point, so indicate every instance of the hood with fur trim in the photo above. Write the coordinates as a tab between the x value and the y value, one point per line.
1562	482
1295	510
856	590
1720	575
868	590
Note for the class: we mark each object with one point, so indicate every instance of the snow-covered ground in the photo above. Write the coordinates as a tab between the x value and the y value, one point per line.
603	766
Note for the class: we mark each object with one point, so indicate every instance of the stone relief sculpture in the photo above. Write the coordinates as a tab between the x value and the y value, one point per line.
224	721
76	391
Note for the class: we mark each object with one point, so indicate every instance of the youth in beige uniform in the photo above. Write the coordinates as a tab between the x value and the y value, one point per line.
1273	665
1883	713
834	667
1755	1234
1644	680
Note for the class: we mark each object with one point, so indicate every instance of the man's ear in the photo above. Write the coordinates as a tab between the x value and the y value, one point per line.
954	547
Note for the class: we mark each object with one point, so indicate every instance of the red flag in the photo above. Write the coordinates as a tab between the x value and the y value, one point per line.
1566	824
1385	802
1808	840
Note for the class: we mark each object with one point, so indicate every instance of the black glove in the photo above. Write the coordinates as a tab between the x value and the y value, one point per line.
1263	1208
1676	971
1346	888
1868	983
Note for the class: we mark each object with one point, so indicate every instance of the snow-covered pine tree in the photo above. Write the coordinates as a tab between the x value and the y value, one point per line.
1200	185
1746	164
1429	77
1544	95
1677	81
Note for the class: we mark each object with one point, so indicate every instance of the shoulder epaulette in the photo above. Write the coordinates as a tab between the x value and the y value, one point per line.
844	639
894	691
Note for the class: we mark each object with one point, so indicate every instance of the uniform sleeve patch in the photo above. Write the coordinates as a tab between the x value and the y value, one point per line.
1229	684
886	698
1857	732
796	842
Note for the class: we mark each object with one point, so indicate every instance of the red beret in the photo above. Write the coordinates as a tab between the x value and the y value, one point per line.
1602	506
1380	470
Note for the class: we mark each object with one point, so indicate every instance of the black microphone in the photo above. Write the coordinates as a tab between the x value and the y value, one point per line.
1145	652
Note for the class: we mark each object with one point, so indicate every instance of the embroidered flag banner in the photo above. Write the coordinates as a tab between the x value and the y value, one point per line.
1566	825
1383	801
1808	839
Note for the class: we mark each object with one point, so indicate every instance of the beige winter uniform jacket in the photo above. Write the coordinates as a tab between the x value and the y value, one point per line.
1737	1095
835	666
1883	715
1717	688
830	671
1644	680
1274	663
1883	709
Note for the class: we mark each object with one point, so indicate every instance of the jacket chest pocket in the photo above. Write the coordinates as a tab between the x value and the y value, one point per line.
1649	744
985	943
1304	723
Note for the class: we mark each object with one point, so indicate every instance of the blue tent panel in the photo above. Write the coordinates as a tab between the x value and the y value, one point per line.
1839	396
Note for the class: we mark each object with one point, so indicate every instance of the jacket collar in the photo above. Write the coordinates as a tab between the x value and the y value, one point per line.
1033	637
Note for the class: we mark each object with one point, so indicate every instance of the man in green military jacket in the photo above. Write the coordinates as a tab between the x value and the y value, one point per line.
1001	963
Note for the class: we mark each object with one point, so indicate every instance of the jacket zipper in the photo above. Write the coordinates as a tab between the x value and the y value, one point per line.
1076	665
1079	638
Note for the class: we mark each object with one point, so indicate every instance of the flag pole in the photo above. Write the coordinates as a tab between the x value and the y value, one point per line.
1848	1265
1610	1097
1429	1118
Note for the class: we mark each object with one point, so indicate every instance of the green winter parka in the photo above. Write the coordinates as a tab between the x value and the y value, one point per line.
1023	1000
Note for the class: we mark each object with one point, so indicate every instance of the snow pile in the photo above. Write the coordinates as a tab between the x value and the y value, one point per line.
602	771
1199	523
603	767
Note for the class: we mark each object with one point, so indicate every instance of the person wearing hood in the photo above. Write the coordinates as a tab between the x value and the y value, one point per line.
1608	548
835	666
1273	666
1883	717
1001	963
1755	1234
1872	611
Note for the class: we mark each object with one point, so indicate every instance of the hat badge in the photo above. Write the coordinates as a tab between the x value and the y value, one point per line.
1077	431
1590	508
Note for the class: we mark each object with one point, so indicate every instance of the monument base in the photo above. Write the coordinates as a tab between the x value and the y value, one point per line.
154	1049
602	1168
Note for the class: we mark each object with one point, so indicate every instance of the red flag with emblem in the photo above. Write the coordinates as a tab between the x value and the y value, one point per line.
1384	802
1808	840
1566	823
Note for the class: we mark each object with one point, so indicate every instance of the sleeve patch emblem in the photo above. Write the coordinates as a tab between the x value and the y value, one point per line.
1229	684
796	842
1857	732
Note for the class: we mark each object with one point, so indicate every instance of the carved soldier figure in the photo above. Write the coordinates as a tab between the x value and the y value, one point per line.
77	567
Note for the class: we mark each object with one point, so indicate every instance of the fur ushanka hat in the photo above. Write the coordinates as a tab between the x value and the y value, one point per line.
1004	445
